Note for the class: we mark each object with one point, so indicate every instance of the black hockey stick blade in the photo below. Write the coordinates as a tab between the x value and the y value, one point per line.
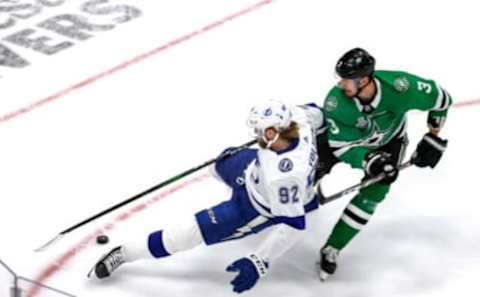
49	243
370	181
146	192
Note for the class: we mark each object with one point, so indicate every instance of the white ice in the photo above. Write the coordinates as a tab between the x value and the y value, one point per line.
120	135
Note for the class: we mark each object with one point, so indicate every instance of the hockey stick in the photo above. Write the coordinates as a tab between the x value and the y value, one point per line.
146	192
327	199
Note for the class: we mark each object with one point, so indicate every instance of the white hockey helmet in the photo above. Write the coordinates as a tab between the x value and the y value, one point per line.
271	114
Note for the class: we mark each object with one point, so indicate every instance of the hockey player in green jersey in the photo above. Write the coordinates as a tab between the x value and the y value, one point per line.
366	113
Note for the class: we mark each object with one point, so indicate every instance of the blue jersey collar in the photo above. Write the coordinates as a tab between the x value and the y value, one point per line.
290	147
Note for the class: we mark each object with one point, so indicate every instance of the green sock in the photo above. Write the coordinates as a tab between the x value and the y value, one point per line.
356	215
341	235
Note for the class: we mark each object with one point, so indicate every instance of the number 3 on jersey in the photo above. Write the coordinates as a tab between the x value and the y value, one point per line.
424	87
288	195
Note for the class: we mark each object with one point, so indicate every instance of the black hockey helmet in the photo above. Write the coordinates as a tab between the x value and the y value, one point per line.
355	63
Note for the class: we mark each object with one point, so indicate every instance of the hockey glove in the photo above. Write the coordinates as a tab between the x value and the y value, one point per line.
250	269
379	162
429	150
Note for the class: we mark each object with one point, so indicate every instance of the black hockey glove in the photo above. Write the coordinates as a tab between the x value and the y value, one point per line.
379	162
429	150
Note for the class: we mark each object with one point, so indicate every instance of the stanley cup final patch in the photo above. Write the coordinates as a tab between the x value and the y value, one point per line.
331	103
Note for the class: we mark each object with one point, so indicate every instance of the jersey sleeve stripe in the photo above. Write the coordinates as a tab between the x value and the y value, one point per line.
440	97
443	100
448	100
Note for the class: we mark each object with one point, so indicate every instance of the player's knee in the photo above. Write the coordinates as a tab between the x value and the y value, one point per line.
375	193
369	198
182	237
365	204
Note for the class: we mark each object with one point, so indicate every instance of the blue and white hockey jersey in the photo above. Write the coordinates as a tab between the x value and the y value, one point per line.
280	184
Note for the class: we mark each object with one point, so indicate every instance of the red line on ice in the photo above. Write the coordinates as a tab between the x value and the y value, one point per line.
135	60
53	267
467	103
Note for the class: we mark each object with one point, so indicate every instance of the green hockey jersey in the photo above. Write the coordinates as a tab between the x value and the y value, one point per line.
356	128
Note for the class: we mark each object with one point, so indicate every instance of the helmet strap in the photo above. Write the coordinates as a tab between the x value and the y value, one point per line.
357	84
270	142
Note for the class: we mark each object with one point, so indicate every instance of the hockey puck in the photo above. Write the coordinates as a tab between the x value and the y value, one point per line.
102	239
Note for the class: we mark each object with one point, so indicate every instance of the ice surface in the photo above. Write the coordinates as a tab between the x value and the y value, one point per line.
121	134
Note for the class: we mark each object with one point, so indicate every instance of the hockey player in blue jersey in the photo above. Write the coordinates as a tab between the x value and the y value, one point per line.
270	187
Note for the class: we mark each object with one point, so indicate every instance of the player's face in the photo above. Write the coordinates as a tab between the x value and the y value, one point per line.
349	86
268	135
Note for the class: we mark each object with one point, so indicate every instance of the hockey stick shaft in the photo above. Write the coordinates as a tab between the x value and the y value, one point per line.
144	193
327	199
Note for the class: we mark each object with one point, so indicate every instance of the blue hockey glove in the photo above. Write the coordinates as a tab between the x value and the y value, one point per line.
250	269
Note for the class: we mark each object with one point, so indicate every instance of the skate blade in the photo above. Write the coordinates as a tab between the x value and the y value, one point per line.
89	274
322	275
